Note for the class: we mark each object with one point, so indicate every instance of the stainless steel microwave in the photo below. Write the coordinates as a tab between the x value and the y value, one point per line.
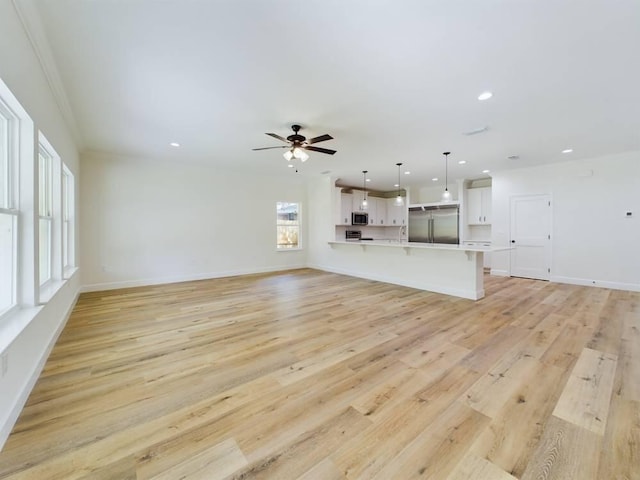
359	218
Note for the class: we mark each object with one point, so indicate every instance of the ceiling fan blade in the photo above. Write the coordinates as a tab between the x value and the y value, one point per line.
275	135
269	148
318	149
321	138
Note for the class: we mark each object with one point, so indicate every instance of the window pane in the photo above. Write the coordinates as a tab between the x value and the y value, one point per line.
65	244
4	162
287	237
287	225
45	250
44	184
7	260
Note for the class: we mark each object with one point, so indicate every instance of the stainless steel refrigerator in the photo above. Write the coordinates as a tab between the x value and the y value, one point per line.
437	224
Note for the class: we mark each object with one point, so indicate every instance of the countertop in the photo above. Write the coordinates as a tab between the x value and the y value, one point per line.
405	244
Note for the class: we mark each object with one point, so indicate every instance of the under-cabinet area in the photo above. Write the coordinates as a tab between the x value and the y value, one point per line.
382	211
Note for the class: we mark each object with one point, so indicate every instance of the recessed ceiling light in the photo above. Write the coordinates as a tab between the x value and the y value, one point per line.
434	179
407	173
290	165
485	96
368	179
396	185
174	144
567	150
486	171
461	162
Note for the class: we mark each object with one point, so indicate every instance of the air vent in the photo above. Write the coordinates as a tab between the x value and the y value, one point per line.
476	131
513	157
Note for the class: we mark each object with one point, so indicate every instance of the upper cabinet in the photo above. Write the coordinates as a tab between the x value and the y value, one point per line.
396	215
479	206
344	217
378	211
382	211
356	201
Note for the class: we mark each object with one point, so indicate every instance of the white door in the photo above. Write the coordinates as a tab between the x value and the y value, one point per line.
531	236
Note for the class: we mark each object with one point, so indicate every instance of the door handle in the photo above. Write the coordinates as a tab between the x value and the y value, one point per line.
513	241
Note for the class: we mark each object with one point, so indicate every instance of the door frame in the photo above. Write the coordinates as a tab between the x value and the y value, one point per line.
549	251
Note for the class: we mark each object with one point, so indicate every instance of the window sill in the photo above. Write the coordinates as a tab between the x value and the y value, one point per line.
14	324
68	272
289	249
49	289
52	286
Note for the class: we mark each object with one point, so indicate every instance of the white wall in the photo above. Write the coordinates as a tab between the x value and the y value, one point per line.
433	193
592	239
20	70
151	221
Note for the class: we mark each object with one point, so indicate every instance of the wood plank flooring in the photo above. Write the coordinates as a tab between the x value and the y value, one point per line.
318	376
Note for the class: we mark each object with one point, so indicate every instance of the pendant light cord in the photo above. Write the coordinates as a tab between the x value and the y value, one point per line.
446	171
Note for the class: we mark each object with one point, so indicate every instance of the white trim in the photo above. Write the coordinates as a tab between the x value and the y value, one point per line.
585	282
96	287
24	393
32	24
499	273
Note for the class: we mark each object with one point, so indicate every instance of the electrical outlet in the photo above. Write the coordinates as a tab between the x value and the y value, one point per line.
4	364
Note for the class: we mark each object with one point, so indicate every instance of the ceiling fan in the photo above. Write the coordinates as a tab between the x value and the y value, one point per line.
298	143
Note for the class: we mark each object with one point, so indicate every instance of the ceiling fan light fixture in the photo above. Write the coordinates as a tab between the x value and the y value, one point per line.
296	154
302	155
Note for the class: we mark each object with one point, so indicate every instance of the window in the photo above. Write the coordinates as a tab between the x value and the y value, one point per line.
67	220
8	208
45	211
288	225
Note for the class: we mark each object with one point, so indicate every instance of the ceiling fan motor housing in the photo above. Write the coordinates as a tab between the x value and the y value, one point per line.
295	138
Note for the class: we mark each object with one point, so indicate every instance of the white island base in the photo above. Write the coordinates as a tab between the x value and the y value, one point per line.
450	269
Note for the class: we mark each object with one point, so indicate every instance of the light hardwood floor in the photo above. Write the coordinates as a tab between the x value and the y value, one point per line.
312	375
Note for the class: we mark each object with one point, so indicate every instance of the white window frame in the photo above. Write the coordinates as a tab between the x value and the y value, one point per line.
280	247
9	202
68	222
45	212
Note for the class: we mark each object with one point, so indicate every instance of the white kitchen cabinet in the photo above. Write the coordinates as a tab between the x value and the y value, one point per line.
381	219
345	209
356	201
372	210
479	206
396	215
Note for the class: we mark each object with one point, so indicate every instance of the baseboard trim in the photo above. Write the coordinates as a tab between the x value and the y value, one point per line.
632	287
499	273
96	287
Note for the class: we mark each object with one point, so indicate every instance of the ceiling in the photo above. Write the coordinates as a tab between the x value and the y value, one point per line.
390	81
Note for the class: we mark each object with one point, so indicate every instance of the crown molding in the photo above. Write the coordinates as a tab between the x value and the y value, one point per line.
32	24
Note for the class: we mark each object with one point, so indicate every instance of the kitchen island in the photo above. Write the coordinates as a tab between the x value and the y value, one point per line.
450	269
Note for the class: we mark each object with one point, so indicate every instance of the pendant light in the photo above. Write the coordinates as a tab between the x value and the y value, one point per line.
446	195
398	201
364	204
